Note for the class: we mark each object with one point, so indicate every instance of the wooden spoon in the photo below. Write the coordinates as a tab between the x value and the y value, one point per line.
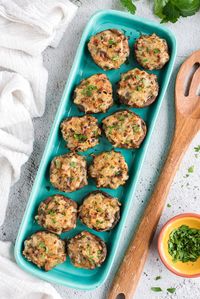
187	125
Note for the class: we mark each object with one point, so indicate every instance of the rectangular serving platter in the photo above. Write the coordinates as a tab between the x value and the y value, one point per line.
83	67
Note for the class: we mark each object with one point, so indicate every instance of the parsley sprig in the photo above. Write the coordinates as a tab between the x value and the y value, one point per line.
168	10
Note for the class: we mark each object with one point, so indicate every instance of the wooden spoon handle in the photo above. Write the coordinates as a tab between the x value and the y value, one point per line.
130	270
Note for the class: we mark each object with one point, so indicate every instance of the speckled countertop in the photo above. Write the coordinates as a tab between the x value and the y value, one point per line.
184	195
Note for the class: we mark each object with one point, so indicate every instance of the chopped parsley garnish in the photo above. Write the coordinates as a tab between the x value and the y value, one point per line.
73	164
145	60
42	245
116	57
171	290
197	148
111	42
111	128
168	205
51	212
58	163
121	117
138	88
156	51
184	244
87	91
136	128
156	289
191	169
157	277
80	137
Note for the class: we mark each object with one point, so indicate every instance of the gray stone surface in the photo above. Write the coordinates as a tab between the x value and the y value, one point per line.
184	193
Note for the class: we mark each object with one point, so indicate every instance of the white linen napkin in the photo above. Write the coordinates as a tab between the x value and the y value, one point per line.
26	28
16	284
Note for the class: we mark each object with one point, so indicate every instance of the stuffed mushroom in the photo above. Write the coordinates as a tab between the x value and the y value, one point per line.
68	172
109	49
137	88
109	169
124	129
94	94
57	214
44	249
86	250
151	51
100	211
80	133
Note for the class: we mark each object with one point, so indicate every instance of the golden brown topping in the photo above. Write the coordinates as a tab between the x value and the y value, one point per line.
100	211
80	133
137	88
151	51
109	49
94	94
45	249
87	250
109	169
57	214
68	172
124	129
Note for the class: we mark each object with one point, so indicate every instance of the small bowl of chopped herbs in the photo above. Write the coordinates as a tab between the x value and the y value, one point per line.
179	245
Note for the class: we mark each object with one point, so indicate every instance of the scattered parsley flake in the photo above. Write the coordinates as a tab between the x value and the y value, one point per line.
171	290
168	205
197	148
156	289
156	51
157	277
191	169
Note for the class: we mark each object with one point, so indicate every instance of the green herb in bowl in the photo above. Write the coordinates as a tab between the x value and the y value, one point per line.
184	244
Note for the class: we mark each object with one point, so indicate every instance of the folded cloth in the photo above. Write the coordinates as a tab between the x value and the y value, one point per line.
26	28
16	284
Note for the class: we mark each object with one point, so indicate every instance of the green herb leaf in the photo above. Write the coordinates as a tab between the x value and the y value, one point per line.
191	169
111	42
171	10
73	164
116	57
58	163
187	7
197	149
157	277
121	117
51	212
87	91
42	245
128	4
171	290
168	205
136	128
156	289
156	51
138	88
80	137
158	7
171	13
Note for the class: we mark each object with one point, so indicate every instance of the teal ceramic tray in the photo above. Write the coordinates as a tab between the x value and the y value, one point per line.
66	274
